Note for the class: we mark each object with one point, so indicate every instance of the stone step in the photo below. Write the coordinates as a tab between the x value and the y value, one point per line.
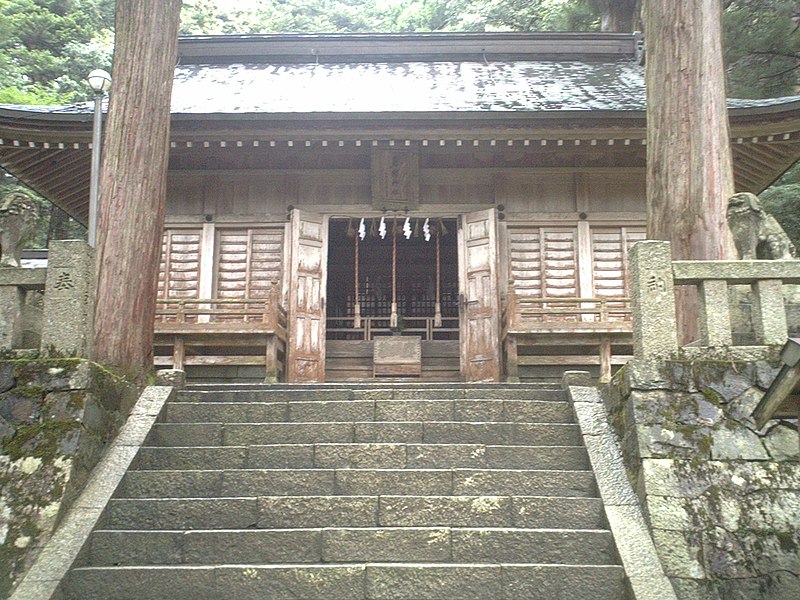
355	482
347	545
442	432
278	393
527	411
276	512
374	581
386	456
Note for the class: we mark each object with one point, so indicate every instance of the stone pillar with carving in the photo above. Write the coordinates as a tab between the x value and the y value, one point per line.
69	299
652	300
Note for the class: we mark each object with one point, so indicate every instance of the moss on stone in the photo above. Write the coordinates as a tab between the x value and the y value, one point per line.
40	440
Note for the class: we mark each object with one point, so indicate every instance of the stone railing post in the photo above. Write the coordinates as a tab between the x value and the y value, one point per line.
67	327
12	298
652	300
715	314
769	314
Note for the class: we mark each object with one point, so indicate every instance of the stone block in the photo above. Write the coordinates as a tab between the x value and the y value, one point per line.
388	432
652	300
564	581
445	456
783	443
375	456
171	484
413	410
446	511
277	482
738	444
318	511
67	318
171	377
680	553
310	582
569	458
141	583
12	299
252	546
638	553
609	470
576	378
406	544
414	482
558	513
281	456
191	513
533	546
468	482
411	582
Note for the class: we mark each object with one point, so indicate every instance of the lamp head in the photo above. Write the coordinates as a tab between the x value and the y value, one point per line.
790	353
99	80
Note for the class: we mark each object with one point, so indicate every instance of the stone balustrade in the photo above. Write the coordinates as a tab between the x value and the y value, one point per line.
654	276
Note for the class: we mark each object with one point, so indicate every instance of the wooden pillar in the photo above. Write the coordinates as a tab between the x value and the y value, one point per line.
178	353
271	359
605	359
512	360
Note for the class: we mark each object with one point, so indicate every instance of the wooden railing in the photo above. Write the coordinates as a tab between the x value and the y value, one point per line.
528	311
214	311
229	325
554	329
343	327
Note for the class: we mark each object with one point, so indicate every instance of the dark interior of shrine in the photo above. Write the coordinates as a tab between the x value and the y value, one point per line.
416	274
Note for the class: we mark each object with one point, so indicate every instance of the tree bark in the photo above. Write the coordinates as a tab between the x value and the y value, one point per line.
689	164
133	183
619	15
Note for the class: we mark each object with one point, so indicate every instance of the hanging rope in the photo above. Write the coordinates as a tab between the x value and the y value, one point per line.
393	316
437	311
357	308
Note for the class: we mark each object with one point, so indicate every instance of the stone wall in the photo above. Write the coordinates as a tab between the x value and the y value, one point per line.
721	496
56	418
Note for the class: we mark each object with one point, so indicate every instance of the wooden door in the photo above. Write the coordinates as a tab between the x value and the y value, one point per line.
307	266
479	312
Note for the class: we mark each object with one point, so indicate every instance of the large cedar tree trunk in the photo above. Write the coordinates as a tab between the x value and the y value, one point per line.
133	183
619	15
689	165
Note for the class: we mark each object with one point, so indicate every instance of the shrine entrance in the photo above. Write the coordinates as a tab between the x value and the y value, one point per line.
392	297
392	277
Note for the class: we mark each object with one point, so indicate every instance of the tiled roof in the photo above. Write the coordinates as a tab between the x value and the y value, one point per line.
408	87
412	86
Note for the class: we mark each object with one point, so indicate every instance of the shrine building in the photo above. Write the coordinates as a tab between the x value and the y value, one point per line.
471	195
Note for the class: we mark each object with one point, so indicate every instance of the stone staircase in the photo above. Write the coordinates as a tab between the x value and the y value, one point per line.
360	491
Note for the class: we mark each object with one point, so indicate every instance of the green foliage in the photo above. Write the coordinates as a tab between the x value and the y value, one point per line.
762	47
47	47
783	203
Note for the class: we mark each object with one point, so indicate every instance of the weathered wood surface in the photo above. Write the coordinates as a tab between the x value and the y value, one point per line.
538	323
201	324
306	310
397	355
480	306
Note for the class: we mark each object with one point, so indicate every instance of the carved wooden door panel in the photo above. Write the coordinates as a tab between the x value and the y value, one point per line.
305	361
479	314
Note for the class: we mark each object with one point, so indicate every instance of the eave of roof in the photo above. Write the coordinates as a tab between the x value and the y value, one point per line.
331	48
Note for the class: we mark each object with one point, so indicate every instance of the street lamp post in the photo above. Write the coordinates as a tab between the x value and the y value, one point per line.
100	82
